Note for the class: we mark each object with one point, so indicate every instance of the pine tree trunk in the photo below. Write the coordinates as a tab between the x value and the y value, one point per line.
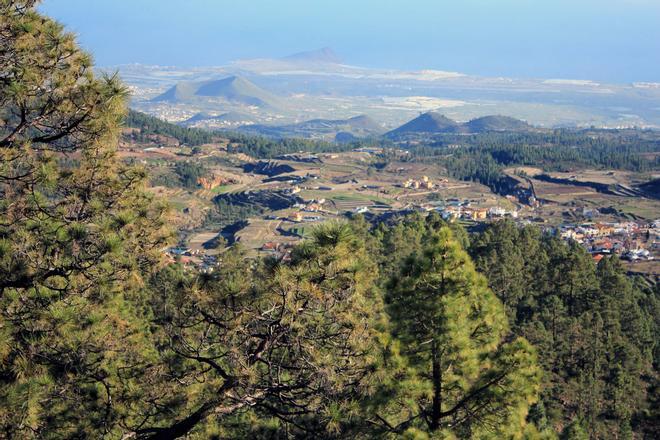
437	389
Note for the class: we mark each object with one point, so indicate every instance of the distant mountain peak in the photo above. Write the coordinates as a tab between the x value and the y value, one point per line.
496	123
233	88
324	55
433	123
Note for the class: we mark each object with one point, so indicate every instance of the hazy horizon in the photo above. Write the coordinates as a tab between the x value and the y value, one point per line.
611	40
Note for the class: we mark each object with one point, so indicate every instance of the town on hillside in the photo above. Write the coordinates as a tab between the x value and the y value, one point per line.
269	205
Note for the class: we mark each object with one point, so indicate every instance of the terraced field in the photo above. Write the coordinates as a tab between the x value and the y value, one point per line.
559	193
257	232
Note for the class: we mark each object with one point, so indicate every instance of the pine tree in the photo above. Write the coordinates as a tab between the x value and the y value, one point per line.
289	346
511	256
496	253
592	327
574	431
460	374
76	231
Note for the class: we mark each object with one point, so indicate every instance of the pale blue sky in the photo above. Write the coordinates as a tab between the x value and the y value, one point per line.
606	40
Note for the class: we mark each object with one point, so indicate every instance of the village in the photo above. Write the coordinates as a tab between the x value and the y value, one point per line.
295	193
632	241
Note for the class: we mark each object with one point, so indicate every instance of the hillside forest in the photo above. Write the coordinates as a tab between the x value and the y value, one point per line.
408	328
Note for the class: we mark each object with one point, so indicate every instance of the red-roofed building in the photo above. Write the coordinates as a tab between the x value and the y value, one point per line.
270	246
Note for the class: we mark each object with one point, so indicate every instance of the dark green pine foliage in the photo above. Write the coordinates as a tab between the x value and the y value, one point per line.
149	126
77	232
189	173
302	348
593	326
261	347
483	157
458	374
512	259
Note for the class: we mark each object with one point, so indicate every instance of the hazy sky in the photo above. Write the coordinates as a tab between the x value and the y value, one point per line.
607	40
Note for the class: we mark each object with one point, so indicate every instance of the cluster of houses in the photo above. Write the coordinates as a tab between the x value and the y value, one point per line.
470	213
281	251
311	206
191	257
424	183
630	240
456	209
299	217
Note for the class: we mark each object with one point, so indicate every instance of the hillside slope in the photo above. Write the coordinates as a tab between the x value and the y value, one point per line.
233	89
430	122
496	123
435	123
358	126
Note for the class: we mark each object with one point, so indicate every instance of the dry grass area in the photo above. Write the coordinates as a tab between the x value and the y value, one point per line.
645	208
559	193
152	153
606	177
645	267
530	171
180	200
260	231
196	242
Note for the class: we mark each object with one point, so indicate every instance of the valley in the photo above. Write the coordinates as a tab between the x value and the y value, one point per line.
243	191
296	247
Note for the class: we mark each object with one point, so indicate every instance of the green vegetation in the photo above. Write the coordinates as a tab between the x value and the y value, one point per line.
266	148
222	189
413	329
73	240
570	148
148	126
189	173
482	157
226	213
254	146
254	350
315	347
465	379
184	174
595	329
